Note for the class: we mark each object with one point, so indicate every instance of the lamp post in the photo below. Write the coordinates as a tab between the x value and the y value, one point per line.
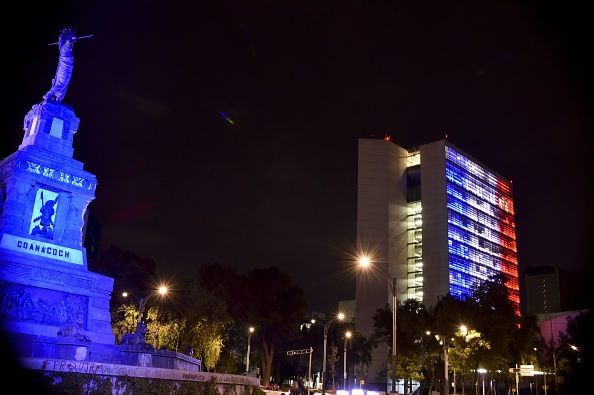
555	356
347	335
365	263
443	340
247	358
327	324
482	372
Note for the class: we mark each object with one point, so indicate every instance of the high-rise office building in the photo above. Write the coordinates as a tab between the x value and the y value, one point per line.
435	219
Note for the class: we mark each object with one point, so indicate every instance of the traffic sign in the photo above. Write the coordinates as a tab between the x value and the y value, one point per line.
527	370
515	370
298	352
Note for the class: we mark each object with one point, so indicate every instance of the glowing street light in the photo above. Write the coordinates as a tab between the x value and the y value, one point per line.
347	335
162	291
443	341
247	358
463	330
365	263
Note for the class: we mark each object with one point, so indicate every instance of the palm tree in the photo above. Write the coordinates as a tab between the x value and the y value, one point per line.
361	347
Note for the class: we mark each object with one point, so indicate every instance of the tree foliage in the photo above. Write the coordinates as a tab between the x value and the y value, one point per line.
362	348
580	366
277	306
131	273
497	337
412	323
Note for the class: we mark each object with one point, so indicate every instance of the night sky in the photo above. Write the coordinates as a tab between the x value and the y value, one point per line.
226	131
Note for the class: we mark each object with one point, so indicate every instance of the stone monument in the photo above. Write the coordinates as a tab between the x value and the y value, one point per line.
45	285
53	310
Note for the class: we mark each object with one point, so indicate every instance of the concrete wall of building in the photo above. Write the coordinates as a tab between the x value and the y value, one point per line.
542	290
435	222
381	231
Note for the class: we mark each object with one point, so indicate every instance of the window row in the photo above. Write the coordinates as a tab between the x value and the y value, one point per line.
472	256
479	189
479	215
481	230
483	205
481	244
476	170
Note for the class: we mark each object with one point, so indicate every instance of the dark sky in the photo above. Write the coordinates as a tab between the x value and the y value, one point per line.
302	81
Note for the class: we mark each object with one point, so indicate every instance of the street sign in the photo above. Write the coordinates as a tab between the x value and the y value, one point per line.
526	370
298	352
515	370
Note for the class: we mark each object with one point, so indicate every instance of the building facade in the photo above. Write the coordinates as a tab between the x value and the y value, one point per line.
435	219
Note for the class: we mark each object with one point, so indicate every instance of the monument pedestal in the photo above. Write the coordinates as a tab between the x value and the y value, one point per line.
45	285
39	297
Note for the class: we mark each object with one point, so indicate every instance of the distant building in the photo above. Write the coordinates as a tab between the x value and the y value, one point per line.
434	218
542	290
555	296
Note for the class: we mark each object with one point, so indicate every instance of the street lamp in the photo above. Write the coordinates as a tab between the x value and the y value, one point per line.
327	324
347	335
443	341
555	356
247	358
162	290
365	263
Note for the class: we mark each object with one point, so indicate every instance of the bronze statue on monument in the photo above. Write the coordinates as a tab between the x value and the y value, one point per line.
65	64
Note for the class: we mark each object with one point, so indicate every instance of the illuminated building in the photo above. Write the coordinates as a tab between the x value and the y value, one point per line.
434	218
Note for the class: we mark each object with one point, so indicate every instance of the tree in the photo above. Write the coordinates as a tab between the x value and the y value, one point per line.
224	283
277	306
361	348
131	273
332	359
444	320
205	317
511	337
579	333
124	320
468	350
494	316
412	324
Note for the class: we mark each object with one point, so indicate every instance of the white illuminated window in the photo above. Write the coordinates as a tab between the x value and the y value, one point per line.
57	126
33	126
